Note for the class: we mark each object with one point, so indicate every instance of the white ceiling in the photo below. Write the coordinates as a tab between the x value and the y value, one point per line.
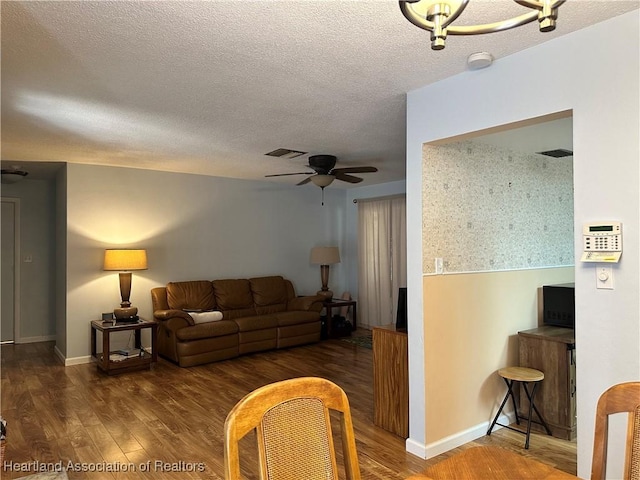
209	87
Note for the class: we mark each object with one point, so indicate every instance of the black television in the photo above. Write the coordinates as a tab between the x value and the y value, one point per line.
559	305
401	315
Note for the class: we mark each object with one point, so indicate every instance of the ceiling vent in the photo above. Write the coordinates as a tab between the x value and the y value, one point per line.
557	153
285	153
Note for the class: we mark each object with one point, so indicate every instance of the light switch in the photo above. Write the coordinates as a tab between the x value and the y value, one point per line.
28	258
604	277
439	266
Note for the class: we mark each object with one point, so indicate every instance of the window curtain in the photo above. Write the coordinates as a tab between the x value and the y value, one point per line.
382	259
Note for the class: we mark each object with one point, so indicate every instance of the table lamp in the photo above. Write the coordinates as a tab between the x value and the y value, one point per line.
325	256
125	261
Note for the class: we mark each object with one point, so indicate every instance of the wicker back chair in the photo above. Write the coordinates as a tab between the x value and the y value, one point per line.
292	422
624	397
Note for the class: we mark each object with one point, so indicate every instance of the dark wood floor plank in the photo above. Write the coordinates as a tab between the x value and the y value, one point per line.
175	416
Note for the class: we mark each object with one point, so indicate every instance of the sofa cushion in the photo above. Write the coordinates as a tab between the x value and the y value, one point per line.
196	295
293	318
234	294
207	330
268	291
261	322
204	317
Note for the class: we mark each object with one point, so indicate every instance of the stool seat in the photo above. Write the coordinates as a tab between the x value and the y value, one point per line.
521	374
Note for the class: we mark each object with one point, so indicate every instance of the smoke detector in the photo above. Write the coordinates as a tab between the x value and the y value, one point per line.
479	60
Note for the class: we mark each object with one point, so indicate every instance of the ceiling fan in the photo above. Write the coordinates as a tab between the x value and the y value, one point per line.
324	172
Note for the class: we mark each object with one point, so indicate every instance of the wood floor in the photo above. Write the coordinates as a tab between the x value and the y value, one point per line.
173	417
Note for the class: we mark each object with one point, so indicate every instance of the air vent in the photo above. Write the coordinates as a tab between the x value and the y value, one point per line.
285	153
557	153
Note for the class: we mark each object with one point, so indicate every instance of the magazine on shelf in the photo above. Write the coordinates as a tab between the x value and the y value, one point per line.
129	352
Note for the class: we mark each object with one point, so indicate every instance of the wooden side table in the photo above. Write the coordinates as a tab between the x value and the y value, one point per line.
337	302
138	362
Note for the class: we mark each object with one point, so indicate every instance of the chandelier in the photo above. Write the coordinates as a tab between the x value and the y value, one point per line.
437	16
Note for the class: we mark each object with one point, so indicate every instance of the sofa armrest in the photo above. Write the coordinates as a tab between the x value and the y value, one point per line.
166	315
311	303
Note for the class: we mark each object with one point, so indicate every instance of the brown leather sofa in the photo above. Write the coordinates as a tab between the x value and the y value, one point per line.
257	314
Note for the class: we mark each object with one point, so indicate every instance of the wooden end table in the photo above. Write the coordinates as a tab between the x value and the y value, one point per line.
133	363
338	302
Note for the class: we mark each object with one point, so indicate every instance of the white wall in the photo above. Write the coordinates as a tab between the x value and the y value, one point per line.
193	227
604	97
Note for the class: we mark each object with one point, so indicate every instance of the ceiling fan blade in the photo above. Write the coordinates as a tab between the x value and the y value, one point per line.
285	174
354	170
346	178
305	181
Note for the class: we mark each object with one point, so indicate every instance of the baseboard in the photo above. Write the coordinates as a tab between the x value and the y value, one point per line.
42	338
453	441
78	360
58	354
415	448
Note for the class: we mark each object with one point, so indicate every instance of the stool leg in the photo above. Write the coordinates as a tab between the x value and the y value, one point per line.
530	397
532	403
506	397
513	399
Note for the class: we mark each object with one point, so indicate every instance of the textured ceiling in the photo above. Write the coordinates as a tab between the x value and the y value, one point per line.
209	87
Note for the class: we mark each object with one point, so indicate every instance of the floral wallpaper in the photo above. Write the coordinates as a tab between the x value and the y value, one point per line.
486	208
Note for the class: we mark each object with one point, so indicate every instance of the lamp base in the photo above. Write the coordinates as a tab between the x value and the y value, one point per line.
125	313
327	294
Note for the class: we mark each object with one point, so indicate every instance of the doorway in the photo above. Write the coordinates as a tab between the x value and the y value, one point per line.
10	314
500	216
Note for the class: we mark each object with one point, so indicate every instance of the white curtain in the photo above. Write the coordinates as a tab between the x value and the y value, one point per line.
382	259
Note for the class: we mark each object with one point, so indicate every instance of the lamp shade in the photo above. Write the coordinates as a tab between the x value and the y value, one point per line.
325	255
125	259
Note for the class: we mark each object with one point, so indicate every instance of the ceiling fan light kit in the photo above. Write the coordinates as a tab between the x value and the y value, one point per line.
322	180
437	16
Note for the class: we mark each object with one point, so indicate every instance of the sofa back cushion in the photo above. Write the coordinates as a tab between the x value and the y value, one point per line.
233	297
269	294
268	290
194	295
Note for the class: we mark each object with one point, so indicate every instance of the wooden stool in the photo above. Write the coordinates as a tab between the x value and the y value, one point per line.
525	376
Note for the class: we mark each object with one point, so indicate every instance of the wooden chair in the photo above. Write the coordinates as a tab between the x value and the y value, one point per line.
293	427
624	397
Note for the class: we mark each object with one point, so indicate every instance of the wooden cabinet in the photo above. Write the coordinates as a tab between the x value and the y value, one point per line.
552	351
391	380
